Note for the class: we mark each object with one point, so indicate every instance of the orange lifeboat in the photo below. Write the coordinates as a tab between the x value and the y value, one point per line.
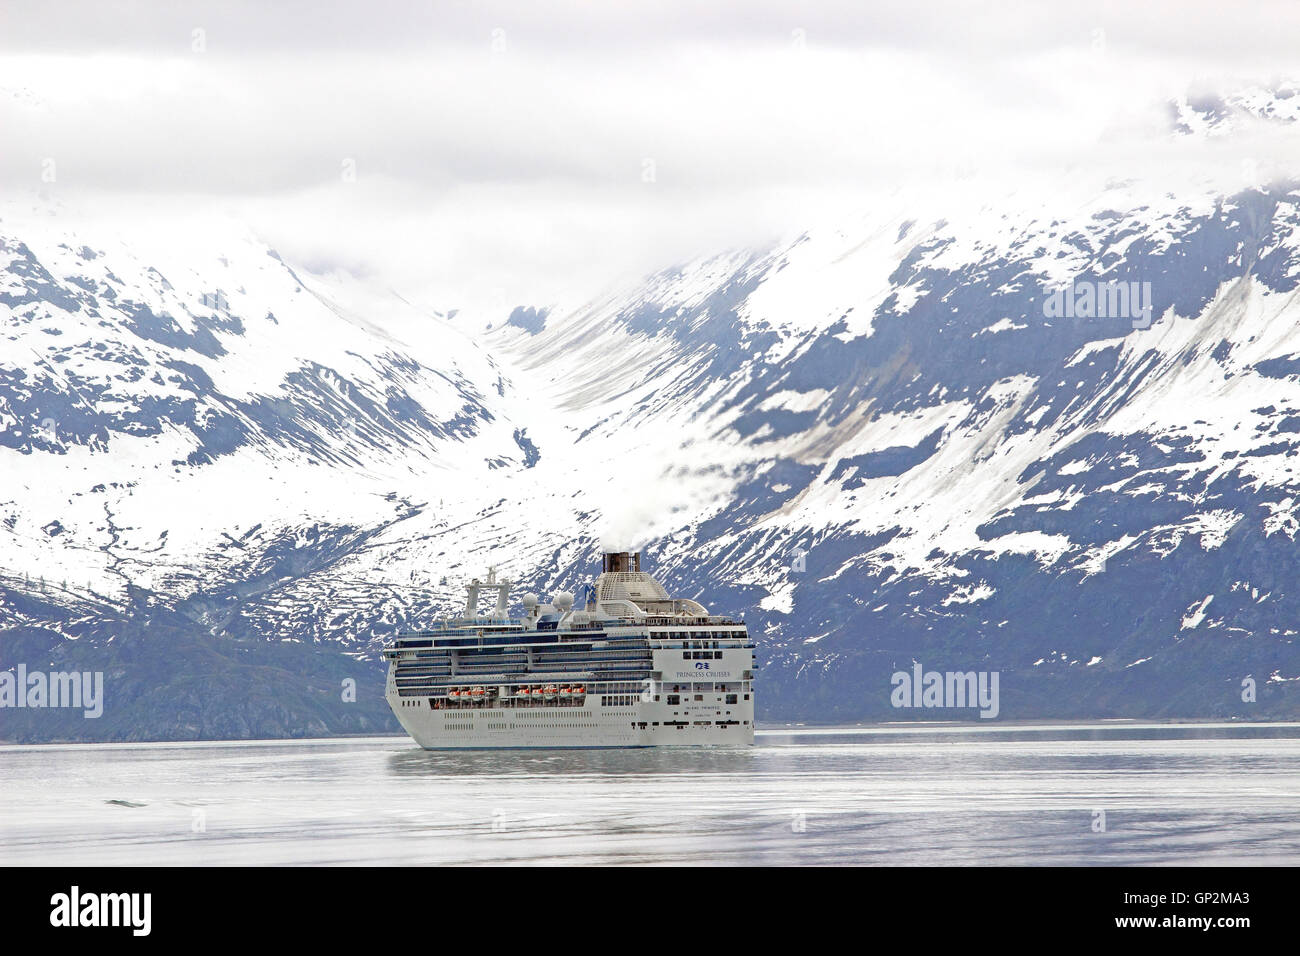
550	690
476	692
523	692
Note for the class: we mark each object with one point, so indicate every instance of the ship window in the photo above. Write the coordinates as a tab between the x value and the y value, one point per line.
674	699
717	655
746	697
699	697
686	655
731	698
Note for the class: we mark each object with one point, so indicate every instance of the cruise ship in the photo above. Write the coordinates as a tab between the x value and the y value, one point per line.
633	667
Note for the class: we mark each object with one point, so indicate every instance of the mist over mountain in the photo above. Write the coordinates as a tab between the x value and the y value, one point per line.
227	479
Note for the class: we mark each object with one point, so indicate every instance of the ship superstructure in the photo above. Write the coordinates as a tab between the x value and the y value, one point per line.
632	667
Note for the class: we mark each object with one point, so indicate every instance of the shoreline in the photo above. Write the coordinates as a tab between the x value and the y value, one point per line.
797	729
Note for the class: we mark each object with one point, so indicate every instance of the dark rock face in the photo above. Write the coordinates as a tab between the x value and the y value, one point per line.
164	681
532	320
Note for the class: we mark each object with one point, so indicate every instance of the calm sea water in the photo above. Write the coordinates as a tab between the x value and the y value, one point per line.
1223	794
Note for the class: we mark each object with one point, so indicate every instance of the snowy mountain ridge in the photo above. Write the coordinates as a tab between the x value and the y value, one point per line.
877	442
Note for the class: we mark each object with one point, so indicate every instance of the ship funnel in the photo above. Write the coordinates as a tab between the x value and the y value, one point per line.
621	561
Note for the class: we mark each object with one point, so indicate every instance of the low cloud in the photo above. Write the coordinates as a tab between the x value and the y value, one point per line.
499	154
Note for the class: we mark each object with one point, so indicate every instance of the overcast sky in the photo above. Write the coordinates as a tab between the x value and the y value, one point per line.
521	152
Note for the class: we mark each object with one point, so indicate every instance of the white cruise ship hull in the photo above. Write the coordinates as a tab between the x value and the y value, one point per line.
643	724
637	668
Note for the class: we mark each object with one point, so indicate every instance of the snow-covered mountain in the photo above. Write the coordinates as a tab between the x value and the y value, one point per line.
227	480
1101	512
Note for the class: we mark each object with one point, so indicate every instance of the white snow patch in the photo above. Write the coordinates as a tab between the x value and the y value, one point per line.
792	401
1215	525
968	594
1001	325
1282	519
781	600
1196	613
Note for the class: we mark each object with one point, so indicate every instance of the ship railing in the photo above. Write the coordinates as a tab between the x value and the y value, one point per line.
444	681
463	624
710	620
